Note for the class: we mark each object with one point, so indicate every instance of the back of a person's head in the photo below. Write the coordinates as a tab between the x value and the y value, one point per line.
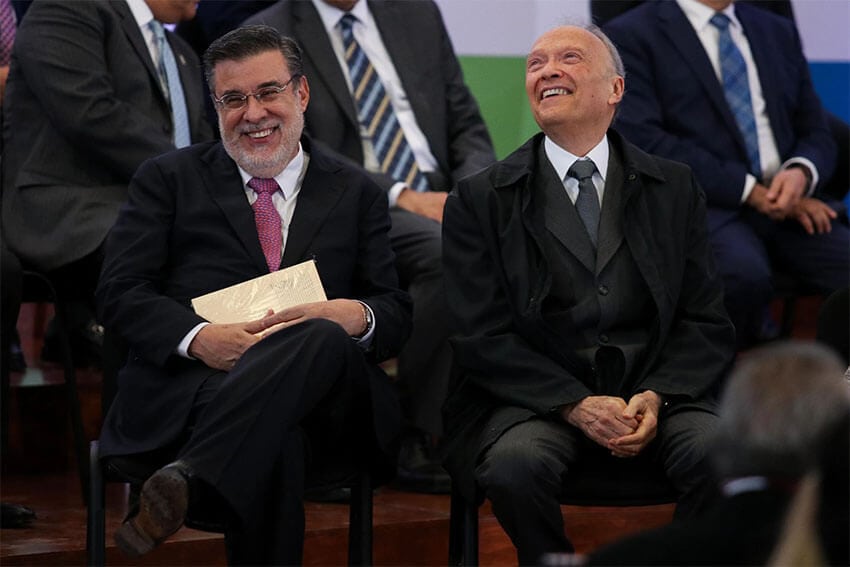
776	408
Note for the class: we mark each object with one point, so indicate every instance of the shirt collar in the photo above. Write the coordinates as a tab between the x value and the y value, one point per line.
700	15
331	15
287	179
562	160
141	12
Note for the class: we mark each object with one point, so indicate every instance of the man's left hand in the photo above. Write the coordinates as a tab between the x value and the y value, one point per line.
643	407
815	215
347	313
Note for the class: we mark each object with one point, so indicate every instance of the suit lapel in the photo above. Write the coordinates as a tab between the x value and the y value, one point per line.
134	35
683	38
317	47
320	192
222	180
610	221
396	34
560	215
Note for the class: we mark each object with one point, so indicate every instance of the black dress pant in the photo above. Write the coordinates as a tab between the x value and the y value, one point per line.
296	401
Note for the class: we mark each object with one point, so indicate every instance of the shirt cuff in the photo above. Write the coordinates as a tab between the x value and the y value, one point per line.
749	183
183	347
808	165
394	192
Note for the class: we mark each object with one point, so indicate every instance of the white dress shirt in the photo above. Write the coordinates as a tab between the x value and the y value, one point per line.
562	161
366	33
700	17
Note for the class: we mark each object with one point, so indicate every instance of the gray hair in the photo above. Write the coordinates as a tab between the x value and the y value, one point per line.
776	408
247	41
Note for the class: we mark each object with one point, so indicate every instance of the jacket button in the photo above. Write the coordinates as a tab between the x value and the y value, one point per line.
632	177
602	289
603	338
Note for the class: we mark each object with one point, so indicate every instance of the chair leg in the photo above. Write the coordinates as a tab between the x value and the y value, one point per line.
786	327
73	396
463	531
360	521
96	518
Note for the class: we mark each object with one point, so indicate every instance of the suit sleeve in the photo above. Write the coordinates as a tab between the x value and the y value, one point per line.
131	294
494	356
62	51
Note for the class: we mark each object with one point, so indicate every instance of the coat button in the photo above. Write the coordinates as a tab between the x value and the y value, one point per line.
632	177
603	338
602	289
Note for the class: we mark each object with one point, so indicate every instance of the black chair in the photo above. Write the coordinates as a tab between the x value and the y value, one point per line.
37	288
609	482
135	470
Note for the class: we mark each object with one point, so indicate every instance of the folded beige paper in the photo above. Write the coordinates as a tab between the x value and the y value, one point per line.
251	300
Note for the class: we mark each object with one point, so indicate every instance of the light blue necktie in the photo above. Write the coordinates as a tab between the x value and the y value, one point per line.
736	87
587	202
376	115
170	79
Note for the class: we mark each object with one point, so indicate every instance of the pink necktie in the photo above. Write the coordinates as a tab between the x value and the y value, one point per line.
7	31
267	219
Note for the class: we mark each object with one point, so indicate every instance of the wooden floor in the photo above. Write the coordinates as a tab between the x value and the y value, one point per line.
409	529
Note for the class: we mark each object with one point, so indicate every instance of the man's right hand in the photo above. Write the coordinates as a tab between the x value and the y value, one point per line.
600	418
428	204
760	200
220	346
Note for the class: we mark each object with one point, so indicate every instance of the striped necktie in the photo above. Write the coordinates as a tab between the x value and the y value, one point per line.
736	88
269	226
587	202
376	115
169	78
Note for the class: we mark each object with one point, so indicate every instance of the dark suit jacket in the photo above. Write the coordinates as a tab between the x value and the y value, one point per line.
187	230
674	105
423	56
83	109
739	530
513	366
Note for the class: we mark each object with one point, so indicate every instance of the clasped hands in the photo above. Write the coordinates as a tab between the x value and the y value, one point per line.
785	199
220	346
623	428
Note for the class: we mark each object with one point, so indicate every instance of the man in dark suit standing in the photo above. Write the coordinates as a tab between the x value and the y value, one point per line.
406	48
725	88
590	316
87	101
250	415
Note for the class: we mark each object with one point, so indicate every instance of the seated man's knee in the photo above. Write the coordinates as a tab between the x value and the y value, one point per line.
512	466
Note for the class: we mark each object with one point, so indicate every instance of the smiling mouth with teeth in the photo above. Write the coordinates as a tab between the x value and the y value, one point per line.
553	92
261	133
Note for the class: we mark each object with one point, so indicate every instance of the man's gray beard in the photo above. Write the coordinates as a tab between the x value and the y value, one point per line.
267	167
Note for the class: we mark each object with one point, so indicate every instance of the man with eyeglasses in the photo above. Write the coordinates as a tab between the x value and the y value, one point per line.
247	416
88	100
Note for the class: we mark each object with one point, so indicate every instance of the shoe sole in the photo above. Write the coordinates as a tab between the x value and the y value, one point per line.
162	510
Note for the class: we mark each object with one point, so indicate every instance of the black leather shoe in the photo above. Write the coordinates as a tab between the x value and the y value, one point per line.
163	504
420	469
15	515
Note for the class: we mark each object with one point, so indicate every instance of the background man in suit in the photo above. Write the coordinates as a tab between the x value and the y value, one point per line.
85	105
775	415
407	45
250	416
552	297
758	157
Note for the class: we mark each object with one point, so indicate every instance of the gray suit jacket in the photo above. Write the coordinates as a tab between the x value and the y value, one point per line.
423	56
83	110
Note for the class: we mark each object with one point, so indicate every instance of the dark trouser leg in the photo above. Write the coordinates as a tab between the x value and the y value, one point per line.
522	476
821	261
424	364
248	443
743	264
681	446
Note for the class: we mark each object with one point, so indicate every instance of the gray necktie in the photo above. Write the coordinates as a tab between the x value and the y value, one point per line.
587	202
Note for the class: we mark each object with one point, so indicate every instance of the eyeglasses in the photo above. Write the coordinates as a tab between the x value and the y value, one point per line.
264	96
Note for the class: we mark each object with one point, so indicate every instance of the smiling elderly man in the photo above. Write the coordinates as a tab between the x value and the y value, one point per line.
249	419
591	320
